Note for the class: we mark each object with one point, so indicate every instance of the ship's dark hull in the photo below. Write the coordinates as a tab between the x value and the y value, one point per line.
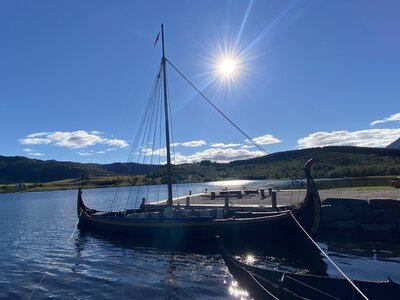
242	229
265	283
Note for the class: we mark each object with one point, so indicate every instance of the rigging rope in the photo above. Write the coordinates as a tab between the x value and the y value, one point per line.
137	137
217	109
328	258
145	144
227	118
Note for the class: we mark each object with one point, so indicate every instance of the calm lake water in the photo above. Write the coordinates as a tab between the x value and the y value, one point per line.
42	256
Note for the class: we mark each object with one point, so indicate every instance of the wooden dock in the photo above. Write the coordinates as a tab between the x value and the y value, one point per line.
242	198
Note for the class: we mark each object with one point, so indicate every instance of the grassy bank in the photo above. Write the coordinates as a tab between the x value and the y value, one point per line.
68	184
113	181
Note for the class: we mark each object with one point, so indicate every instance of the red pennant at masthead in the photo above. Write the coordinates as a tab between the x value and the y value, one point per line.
156	40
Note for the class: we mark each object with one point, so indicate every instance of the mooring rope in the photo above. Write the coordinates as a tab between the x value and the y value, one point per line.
328	258
47	271
38	285
261	286
311	287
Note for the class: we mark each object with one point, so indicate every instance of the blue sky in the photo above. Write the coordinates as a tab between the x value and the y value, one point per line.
75	75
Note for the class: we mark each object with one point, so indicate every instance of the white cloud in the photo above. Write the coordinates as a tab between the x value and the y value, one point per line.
362	138
35	154
32	152
92	152
74	139
222	155
149	151
222	145
34	141
392	118
85	153
265	140
117	143
197	143
34	135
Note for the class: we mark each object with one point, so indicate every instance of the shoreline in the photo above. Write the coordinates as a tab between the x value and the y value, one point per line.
345	191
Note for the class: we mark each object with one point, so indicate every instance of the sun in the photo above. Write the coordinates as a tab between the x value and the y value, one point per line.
227	67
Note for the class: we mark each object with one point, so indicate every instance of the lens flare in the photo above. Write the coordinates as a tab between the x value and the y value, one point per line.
227	67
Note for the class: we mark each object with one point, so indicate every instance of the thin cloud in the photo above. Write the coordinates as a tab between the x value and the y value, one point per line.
149	151
74	139
85	153
222	145
362	138
34	141
34	135
117	143
92	152
32	152
193	144
266	139
35	154
221	155
392	118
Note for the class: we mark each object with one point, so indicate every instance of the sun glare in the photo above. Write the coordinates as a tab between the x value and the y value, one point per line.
227	67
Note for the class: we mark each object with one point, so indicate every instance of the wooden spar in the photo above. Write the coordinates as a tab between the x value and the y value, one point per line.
167	143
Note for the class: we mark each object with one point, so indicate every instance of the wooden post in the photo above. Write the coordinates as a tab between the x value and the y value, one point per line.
273	199
262	194
212	195
143	205
226	200
187	201
270	191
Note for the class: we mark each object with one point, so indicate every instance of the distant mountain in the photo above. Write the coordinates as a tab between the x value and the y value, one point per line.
23	169
394	145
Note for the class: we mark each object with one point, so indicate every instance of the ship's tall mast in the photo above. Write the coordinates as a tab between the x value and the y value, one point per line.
167	143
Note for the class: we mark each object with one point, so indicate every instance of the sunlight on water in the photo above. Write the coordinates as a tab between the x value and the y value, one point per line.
250	259
237	292
230	183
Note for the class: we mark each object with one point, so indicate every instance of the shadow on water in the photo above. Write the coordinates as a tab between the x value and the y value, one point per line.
292	254
152	273
197	272
361	245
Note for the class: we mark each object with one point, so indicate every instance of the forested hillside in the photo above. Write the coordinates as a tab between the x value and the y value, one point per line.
22	169
334	162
